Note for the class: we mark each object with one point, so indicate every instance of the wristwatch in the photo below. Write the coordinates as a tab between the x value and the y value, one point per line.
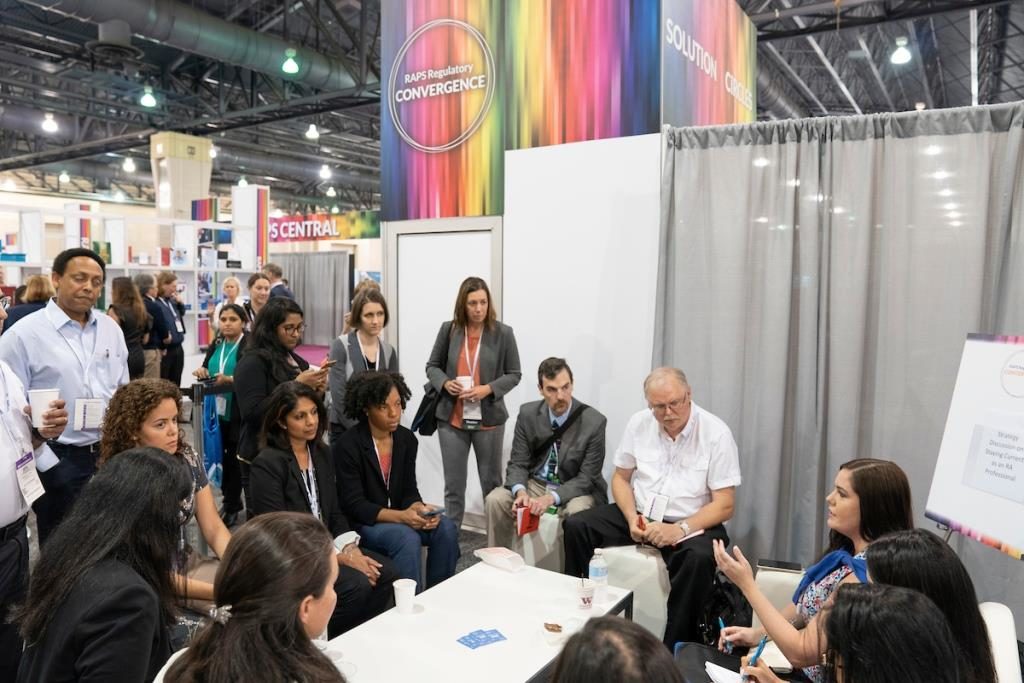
685	526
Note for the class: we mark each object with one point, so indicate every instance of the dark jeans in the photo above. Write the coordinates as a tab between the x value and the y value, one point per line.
402	544
691	565
172	364
13	587
63	482
358	601
231	486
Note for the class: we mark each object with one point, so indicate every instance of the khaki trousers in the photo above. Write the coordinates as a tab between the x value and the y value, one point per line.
152	357
501	519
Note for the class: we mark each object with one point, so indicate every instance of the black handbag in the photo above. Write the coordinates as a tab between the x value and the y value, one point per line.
425	421
725	602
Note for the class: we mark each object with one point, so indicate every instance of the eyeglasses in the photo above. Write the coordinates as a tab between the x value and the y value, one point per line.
676	406
293	330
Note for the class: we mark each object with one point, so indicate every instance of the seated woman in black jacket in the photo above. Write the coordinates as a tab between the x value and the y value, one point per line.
375	463
293	473
101	598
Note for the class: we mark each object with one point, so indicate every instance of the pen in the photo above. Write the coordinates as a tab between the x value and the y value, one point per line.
721	627
757	653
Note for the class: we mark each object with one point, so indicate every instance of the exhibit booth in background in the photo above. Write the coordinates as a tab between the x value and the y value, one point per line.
521	143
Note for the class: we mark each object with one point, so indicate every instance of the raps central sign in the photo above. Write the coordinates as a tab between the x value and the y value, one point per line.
439	96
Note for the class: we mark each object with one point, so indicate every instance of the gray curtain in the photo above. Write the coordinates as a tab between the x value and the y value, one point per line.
321	283
817	280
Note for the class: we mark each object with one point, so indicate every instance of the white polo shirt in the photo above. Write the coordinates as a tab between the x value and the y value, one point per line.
702	459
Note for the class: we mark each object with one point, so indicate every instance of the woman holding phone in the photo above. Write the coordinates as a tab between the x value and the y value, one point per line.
474	363
375	464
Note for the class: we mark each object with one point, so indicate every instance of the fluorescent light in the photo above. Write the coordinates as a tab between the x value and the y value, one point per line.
760	162
49	125
290	66
213	152
9	186
941	175
901	55
946	192
128	165
147	100
242	182
950	206
325	172
331	191
312	133
335	209
932	150
64	177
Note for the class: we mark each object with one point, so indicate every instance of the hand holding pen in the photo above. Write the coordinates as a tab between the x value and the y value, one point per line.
757	655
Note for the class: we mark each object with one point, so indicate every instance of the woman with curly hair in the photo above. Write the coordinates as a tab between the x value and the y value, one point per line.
375	466
145	413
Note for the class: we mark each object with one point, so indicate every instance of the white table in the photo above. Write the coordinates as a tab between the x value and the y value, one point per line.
423	646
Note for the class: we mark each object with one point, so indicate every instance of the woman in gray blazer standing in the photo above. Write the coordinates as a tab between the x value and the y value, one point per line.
360	350
473	364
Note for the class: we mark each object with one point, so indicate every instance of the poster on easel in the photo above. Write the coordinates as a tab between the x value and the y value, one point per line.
978	486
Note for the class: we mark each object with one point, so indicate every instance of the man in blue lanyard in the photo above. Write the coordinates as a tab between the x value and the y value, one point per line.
566	474
173	361
79	351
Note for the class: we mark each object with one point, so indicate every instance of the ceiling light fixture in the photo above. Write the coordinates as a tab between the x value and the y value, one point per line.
213	152
49	124
64	177
242	182
119	196
312	133
760	162
9	186
335	209
128	165
325	172
331	191
290	66
147	100
901	55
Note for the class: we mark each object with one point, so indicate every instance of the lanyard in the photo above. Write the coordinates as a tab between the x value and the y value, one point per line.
380	464
174	311
476	356
225	356
311	486
15	432
86	362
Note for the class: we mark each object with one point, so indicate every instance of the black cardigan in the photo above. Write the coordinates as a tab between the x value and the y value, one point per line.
277	486
360	482
107	629
254	382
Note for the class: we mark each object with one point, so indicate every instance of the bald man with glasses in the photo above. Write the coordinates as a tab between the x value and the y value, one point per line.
676	473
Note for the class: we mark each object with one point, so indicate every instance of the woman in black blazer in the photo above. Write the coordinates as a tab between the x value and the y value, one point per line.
375	463
101	599
268	360
293	473
474	363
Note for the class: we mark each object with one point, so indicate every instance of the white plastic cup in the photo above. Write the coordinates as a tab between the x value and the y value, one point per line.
585	593
405	593
40	400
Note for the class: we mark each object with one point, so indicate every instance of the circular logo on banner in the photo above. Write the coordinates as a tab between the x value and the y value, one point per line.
1012	375
437	109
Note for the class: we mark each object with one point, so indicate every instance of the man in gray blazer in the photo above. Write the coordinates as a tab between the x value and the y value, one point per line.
567	474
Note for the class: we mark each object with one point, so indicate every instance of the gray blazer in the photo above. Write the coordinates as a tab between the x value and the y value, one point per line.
345	349
580	456
499	368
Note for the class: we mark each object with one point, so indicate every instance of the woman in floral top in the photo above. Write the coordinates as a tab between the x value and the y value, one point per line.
870	498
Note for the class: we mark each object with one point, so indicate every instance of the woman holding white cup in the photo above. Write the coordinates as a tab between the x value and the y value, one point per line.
474	363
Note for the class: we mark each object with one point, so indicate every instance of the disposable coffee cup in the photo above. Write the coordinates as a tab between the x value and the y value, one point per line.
466	381
405	593
585	592
40	400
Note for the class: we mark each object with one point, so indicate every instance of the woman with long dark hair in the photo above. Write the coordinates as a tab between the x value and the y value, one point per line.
294	473
128	311
870	498
474	363
219	367
920	560
613	650
101	598
274	593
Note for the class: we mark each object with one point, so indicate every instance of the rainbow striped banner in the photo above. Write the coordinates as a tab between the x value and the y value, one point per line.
205	209
262	225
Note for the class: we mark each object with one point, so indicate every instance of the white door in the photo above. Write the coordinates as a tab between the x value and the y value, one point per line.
426	261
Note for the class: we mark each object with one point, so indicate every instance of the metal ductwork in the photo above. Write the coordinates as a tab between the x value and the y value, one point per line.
282	167
186	28
775	100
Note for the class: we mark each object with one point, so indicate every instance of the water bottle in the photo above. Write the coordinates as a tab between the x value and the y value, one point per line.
599	575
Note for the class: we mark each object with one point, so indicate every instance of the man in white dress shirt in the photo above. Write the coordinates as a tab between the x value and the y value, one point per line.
21	448
71	347
676	473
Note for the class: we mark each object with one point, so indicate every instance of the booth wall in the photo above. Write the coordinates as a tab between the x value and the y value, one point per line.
580	262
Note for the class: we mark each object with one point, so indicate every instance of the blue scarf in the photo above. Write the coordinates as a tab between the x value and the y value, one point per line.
828	564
